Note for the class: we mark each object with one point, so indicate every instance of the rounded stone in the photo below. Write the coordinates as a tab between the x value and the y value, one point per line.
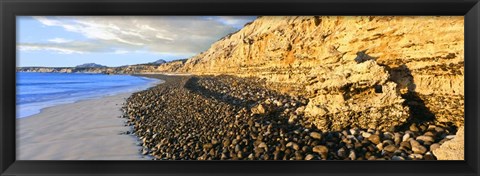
417	147
374	138
429	156
425	139
434	146
413	128
321	150
406	136
352	155
405	145
390	148
398	158
309	157
398	138
293	145
366	134
263	145
207	146
316	135
342	153
415	156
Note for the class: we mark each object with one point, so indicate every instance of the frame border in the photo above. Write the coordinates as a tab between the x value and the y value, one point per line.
470	9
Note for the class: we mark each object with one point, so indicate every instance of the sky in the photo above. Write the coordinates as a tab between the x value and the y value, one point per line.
67	41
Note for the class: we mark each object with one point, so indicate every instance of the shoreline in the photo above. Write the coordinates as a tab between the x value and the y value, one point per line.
79	99
87	129
210	102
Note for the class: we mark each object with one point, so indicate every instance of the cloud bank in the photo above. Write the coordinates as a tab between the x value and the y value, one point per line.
177	35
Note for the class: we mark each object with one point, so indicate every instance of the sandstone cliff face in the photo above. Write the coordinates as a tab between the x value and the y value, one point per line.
370	72
173	66
417	62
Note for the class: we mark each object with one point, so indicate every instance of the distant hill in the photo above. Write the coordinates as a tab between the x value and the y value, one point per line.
90	65
159	61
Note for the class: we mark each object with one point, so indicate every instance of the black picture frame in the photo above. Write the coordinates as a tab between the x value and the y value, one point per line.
9	9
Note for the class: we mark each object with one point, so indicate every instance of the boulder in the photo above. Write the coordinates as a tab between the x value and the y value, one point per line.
355	94
453	149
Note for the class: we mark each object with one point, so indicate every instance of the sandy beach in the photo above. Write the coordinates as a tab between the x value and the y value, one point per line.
85	130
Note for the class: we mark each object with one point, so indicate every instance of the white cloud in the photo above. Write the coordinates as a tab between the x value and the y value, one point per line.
120	52
46	21
73	47
185	35
236	21
58	50
59	40
160	36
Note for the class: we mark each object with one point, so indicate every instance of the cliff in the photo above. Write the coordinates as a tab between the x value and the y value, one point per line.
368	72
415	63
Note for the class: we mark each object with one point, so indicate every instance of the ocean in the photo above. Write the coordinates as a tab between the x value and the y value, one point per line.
36	91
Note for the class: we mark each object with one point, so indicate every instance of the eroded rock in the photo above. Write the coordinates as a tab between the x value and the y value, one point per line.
453	149
355	95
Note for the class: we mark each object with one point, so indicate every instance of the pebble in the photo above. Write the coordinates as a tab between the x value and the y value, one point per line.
309	157
260	110
298	155
388	135
237	148
249	122
366	134
292	119
423	127
397	158
425	139
263	145
226	142
374	138
429	156
390	148
342	153
397	138
353	131
352	155
380	146
449	136
207	146
406	136
145	151
415	156
417	147
316	135
434	146
439	130
321	150
405	145
293	145
388	142
413	128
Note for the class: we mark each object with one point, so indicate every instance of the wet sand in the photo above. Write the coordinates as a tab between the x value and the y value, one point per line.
85	130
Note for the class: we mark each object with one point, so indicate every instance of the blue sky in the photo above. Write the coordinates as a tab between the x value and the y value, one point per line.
66	41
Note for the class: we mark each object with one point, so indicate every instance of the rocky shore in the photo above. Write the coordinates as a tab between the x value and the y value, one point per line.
232	118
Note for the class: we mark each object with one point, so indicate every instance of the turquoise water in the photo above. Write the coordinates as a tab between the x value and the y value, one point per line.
36	91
